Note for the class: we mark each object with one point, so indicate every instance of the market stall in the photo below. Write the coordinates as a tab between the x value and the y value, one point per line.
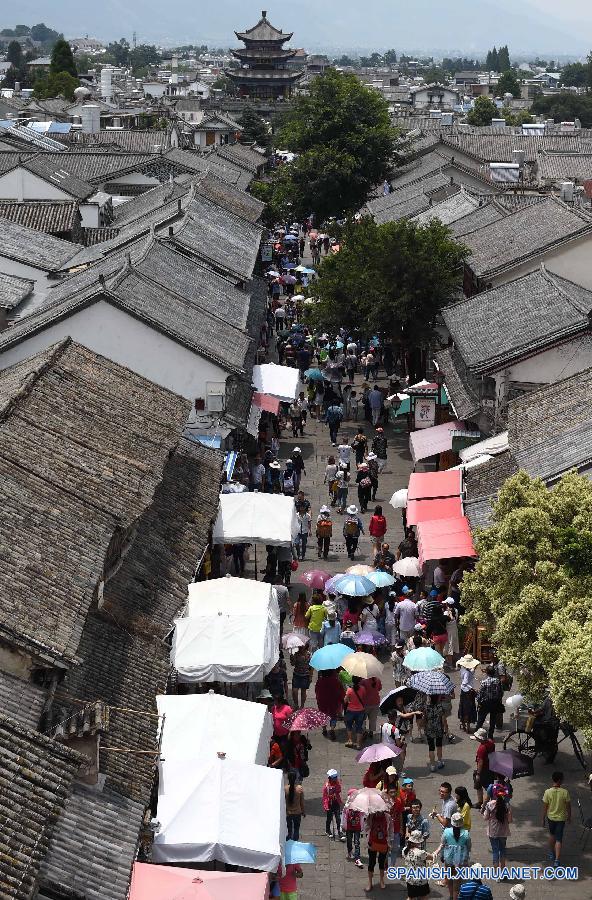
196	726
282	382
444	539
254	517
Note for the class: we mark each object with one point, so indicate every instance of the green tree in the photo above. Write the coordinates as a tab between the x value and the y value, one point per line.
492	61
574	75
508	84
226	84
14	54
62	59
589	72
434	75
564	107
531	589
521	117
394	277
253	128
143	56
345	61
390	57
503	59
118	53
344	140
60	84
483	111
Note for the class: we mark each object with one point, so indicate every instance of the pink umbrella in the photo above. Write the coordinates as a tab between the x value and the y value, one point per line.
369	800
306	720
316	578
151	882
293	641
376	752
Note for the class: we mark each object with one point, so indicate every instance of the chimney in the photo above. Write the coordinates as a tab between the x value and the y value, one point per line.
263	13
179	209
102	280
170	230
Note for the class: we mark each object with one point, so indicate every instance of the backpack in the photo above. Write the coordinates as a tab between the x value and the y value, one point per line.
353	820
378	831
352	528
324	528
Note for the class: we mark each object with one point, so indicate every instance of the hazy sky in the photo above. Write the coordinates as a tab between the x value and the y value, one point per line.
463	25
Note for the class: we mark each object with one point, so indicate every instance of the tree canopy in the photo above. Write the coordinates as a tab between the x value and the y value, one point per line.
498	60
61	84
393	277
344	140
62	59
564	106
508	84
532	587
574	75
253	128
483	111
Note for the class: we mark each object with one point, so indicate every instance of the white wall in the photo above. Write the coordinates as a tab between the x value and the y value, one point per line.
125	340
549	366
13	267
23	185
90	215
572	261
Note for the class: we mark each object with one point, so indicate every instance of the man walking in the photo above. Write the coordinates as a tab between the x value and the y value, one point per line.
557	812
375	400
334	417
489	699
379	447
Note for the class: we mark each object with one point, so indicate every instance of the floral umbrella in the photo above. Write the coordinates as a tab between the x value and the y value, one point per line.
316	578
369	638
306	720
369	800
292	641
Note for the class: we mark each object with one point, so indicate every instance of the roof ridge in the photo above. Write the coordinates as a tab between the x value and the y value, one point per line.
33	376
553	277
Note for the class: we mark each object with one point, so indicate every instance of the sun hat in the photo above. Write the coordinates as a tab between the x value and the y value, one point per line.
476	871
456	820
517	892
468	662
332	773
416	837
352	510
372	456
274	465
450	601
325	509
296	450
479	735
391	770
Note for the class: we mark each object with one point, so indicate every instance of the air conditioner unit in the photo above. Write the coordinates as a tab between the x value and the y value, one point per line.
215	402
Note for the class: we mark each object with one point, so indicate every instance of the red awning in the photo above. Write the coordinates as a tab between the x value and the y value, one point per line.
435	485
444	539
266	402
427	510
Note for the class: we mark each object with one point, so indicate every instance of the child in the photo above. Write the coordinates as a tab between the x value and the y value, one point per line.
408	797
332	802
287	881
352	822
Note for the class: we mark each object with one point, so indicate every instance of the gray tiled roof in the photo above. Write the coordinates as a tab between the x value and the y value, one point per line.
192	161
50	216
34	248
77	465
448	211
497	146
225	241
125	661
129	140
23	701
484	215
536	310
463	397
230	197
35	779
482	484
388	208
242	156
565	166
13	290
147	202
521	235
54	167
100	165
93	847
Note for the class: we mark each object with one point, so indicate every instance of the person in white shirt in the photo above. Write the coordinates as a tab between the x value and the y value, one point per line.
344	450
369	617
406	617
303	533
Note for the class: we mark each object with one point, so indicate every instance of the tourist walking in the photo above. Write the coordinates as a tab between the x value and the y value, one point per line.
324	531
332	803
498	815
377	528
355	713
455	847
294	807
375	398
315	616
489	699
557	812
329	693
352	529
379	447
352	822
467	709
364	486
379	830
301	675
334	418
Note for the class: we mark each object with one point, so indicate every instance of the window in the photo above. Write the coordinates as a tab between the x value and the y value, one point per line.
215	396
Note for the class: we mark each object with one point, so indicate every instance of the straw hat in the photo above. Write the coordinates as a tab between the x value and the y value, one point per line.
352	510
468	662
517	892
416	837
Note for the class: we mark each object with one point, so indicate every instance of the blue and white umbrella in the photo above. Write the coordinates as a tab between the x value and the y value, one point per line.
431	683
381	579
353	585
297	852
423	659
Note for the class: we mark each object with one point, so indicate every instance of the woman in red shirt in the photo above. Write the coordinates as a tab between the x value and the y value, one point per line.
373	775
329	693
377	528
373	687
355	712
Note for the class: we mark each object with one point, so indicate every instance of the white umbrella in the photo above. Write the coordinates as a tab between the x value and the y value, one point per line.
368	801
408	567
364	665
399	499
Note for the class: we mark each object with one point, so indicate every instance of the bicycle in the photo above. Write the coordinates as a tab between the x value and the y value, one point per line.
523	739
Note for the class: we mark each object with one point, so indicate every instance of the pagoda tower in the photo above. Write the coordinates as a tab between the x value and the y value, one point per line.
263	71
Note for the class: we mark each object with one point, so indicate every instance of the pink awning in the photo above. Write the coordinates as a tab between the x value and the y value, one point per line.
444	539
435	484
427	510
266	402
432	441
152	882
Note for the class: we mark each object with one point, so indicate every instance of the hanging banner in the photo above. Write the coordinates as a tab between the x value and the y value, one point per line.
425	412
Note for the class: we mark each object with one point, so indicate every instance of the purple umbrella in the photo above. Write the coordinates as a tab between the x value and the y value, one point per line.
510	763
370	638
376	752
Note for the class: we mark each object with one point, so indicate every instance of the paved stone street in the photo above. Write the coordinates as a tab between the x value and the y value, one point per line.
334	878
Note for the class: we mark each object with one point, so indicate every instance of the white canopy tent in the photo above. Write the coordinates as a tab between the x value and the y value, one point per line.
231	631
282	382
253	517
195	727
221	809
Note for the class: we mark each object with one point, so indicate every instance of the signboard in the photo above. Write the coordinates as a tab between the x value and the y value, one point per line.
425	412
266	253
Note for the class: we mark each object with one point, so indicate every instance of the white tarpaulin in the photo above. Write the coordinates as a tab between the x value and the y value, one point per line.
279	381
231	632
233	812
252	517
431	441
195	727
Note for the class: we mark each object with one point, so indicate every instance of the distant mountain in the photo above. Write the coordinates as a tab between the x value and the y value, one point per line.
463	25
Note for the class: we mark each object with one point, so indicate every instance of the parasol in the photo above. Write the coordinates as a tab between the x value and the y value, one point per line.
353	585
423	659
362	665
316	578
377	752
431	683
368	801
388	702
305	720
329	657
408	567
369	638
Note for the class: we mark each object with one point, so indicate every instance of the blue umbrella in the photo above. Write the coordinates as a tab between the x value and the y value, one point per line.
353	585
423	659
329	657
431	683
290	237
288	265
314	375
381	579
300	853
